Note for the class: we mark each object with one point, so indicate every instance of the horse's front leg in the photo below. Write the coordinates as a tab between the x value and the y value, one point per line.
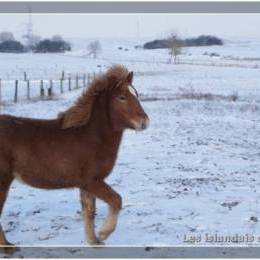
88	203
5	182
104	192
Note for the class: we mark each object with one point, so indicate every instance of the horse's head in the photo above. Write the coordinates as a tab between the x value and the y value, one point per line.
115	92
124	107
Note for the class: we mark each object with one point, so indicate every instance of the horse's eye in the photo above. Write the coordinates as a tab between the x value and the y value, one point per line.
122	98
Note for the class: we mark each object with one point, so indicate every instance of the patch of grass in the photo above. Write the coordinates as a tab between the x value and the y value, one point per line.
190	93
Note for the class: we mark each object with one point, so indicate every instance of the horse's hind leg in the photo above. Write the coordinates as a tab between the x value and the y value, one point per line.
5	182
88	202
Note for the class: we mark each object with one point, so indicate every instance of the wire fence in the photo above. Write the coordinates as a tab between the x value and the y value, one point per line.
15	91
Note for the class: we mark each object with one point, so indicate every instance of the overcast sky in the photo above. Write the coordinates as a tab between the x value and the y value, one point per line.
89	26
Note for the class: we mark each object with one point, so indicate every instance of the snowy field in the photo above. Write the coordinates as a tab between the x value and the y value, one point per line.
195	171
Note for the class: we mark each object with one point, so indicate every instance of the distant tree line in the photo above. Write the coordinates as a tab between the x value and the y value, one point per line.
47	45
203	40
11	46
56	44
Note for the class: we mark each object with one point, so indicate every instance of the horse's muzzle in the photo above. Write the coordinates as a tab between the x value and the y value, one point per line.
141	124
145	123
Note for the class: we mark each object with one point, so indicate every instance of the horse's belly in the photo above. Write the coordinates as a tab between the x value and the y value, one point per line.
41	174
43	182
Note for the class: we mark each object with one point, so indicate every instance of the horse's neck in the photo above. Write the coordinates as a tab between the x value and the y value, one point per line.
100	123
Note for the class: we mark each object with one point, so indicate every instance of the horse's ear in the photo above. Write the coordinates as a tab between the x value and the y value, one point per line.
130	77
114	82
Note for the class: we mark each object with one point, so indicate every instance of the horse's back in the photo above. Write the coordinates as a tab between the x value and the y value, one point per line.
19	131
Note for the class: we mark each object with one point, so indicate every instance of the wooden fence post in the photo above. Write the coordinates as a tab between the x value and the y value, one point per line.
77	81
61	85
28	90
41	89
88	78
84	80
0	94
50	89
69	83
16	91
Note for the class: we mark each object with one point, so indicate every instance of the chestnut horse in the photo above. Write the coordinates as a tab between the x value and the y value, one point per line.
77	149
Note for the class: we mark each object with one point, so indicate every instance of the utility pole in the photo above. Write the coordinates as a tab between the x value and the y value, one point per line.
138	28
29	32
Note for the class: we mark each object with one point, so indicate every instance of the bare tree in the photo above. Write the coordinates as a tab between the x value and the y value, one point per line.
6	36
175	47
94	48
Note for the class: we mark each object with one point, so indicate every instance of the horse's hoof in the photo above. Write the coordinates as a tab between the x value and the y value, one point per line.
96	242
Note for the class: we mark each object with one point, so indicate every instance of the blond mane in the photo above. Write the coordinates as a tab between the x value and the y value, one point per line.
80	113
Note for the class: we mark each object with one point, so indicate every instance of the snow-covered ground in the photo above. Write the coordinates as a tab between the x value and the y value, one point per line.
195	171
